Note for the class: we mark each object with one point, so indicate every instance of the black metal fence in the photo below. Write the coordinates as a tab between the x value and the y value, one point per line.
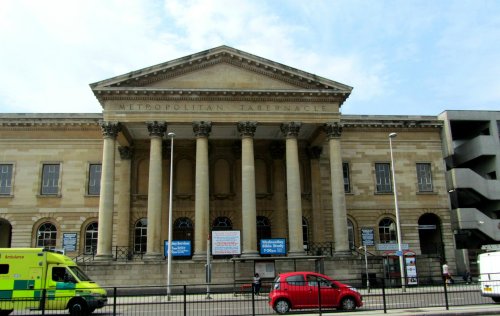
239	299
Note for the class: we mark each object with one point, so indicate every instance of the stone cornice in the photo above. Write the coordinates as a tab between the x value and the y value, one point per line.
220	95
365	121
66	121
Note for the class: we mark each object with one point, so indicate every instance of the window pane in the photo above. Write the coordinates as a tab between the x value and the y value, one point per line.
91	238
387	231
46	236
94	179
140	237
50	179
6	179
383	177
424	177
347	182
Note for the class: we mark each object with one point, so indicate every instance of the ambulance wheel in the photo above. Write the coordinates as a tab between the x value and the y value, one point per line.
496	299
78	307
5	312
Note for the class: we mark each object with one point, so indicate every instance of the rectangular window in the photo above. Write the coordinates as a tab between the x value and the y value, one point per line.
4	269
347	182
6	179
50	179
383	177
94	179
424	177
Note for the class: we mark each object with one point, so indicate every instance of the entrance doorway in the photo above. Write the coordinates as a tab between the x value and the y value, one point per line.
429	232
5	233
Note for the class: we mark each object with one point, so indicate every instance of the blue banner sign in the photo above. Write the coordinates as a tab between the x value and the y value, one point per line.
273	246
180	248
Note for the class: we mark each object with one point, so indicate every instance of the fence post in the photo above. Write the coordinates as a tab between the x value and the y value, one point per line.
114	301
446	294
185	299
319	297
383	296
253	299
42	303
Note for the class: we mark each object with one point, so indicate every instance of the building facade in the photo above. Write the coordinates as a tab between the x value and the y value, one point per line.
258	147
472	154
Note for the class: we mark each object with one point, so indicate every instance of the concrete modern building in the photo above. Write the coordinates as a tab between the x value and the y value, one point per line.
472	154
260	149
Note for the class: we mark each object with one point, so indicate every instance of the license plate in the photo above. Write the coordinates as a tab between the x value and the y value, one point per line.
487	289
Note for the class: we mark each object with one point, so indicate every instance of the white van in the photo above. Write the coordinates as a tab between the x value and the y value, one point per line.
489	274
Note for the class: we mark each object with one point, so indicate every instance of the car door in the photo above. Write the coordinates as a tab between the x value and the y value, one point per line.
298	291
323	288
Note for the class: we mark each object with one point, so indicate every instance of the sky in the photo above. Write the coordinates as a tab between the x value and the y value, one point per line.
402	57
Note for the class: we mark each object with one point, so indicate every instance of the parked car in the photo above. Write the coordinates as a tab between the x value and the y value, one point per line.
301	290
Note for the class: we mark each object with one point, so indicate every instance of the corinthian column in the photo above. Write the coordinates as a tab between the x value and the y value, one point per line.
156	132
314	154
248	206
123	214
201	203
341	239
106	198
291	132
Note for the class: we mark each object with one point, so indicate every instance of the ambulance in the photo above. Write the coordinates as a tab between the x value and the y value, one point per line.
42	279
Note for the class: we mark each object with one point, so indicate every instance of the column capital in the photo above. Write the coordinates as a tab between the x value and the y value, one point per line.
291	129
156	128
126	152
333	130
110	129
247	128
277	150
314	152
202	128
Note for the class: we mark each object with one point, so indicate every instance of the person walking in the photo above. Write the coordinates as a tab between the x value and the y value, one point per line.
256	284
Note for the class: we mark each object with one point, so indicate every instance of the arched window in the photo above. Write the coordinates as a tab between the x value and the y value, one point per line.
222	223
46	236
183	229
387	231
91	238
141	235
305	233
350	234
263	229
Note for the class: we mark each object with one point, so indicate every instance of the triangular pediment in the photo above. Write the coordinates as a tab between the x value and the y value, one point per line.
222	68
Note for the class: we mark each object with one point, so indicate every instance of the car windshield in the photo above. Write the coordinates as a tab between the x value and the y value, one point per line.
79	273
276	284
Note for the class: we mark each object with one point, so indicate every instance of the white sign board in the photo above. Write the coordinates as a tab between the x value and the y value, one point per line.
226	242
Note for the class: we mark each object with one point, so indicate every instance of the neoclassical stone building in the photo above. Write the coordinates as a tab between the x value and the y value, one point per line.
258	147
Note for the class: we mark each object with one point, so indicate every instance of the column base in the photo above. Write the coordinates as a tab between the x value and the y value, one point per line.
200	256
153	256
250	254
296	253
342	253
104	257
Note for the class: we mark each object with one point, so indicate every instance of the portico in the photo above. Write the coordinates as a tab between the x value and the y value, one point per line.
244	125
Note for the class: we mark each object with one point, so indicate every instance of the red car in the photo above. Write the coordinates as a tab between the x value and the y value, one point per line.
299	290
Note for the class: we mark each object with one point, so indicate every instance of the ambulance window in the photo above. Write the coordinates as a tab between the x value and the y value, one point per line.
79	273
4	268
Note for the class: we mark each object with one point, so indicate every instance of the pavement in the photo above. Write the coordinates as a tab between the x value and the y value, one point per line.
484	309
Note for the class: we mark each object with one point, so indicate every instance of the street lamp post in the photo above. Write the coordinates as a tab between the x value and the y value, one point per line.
398	224
366	268
169	255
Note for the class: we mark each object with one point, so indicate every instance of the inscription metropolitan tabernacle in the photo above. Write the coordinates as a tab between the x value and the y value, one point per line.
153	107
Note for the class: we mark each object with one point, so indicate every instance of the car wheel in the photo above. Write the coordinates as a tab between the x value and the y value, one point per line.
282	306
496	299
78	307
5	312
348	304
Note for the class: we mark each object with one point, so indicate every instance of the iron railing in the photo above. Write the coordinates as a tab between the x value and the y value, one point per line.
239	299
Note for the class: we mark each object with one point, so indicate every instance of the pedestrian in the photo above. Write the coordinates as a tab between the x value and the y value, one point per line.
467	277
256	284
446	274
